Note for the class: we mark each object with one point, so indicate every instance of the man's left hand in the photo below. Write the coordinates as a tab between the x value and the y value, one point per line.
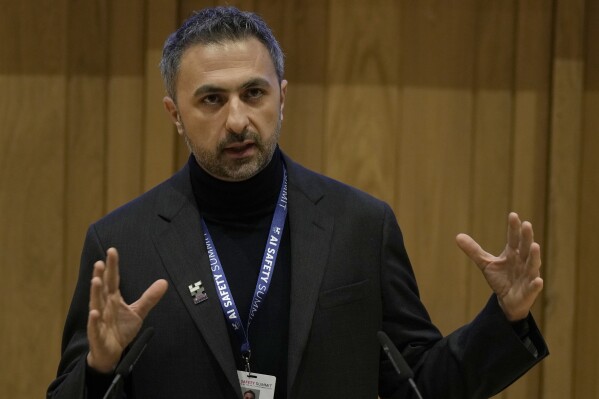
513	275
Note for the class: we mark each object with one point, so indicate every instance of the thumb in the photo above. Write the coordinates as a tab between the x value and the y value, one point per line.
150	298
473	250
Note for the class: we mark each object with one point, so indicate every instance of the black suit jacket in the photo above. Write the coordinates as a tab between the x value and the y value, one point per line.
350	277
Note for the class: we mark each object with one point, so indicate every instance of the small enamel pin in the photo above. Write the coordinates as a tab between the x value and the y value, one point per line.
197	292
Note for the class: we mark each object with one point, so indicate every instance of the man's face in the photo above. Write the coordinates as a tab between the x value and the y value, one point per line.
229	107
248	395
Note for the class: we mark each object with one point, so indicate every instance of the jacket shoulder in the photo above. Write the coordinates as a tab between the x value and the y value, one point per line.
334	193
163	198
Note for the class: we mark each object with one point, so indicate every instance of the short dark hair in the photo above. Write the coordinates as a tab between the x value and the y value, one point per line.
216	25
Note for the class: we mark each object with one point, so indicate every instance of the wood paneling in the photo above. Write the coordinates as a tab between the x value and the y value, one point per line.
586	348
32	181
491	167
528	154
564	194
359	101
32	232
436	122
86	118
305	40
159	135
124	141
453	112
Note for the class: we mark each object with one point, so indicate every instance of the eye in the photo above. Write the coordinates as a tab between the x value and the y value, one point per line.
212	99
254	93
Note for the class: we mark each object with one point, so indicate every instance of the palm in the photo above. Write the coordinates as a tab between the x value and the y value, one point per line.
514	274
117	326
112	323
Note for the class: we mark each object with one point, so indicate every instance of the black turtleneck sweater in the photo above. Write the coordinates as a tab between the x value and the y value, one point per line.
238	216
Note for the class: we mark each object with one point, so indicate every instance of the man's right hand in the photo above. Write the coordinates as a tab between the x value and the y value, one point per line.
112	324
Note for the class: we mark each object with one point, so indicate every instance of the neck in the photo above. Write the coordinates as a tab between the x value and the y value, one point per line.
241	201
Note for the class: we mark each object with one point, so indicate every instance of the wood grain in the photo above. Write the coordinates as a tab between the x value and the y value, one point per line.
435	150
32	182
586	347
564	193
124	142
159	135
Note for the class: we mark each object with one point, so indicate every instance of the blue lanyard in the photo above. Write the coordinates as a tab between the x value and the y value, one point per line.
267	269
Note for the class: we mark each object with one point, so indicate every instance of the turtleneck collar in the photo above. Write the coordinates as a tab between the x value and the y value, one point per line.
240	202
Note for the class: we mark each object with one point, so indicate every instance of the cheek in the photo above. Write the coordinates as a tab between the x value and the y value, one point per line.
204	131
268	121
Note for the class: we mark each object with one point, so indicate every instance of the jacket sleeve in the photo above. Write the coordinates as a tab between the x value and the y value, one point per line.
476	361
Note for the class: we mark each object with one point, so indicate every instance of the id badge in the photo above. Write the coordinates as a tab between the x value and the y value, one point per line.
256	386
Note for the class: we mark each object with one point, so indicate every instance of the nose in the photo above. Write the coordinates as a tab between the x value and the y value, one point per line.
237	118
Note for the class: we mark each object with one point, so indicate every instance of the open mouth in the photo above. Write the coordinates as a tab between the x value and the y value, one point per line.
240	150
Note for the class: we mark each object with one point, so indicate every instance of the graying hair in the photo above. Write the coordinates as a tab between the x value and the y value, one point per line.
216	25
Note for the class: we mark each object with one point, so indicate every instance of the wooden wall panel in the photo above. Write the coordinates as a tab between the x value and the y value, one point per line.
304	38
435	149
30	42
159	135
532	77
531	108
491	170
586	347
361	95
85	144
564	194
187	7
32	170
31	232
124	142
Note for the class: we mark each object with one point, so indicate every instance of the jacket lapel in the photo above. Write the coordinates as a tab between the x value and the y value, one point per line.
179	240
311	231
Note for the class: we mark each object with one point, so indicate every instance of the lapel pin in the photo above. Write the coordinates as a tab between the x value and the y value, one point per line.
197	292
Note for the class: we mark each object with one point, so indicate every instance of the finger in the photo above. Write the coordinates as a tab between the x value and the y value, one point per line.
534	289
150	298
513	231
99	268
97	298
96	344
93	328
527	238
536	286
473	250
534	260
96	305
111	279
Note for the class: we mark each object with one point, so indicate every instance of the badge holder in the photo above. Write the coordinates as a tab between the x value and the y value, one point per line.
253	385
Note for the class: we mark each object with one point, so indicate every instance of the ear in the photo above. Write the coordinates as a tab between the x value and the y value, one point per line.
283	94
172	110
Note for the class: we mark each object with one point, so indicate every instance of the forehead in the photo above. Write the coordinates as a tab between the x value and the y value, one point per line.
229	61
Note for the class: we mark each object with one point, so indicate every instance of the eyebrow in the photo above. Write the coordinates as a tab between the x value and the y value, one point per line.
255	82
210	88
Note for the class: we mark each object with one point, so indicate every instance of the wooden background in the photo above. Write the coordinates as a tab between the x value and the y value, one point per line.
455	112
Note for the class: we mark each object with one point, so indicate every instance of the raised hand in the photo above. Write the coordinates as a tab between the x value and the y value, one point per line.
513	275
113	324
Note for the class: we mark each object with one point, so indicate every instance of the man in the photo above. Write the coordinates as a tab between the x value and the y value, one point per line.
249	395
272	269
